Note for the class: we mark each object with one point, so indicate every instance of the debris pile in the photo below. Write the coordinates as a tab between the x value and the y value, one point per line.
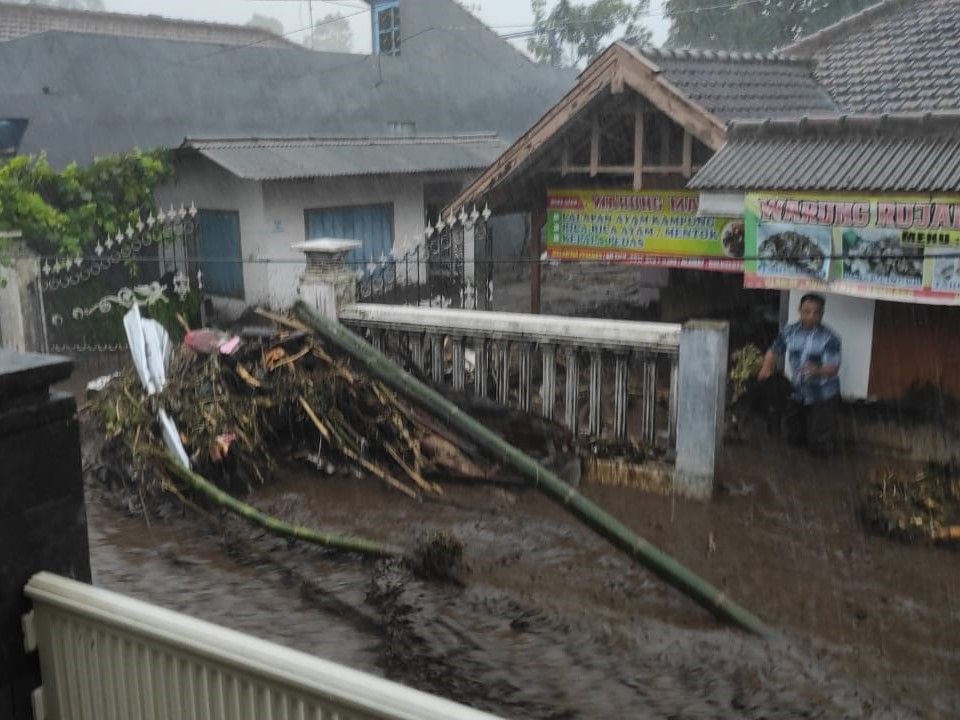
921	507
242	404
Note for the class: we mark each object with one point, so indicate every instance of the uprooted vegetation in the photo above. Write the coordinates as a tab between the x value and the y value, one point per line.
919	507
246	405
280	396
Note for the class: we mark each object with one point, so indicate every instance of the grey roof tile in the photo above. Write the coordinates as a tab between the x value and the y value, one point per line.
900	56
301	158
108	94
893	153
743	85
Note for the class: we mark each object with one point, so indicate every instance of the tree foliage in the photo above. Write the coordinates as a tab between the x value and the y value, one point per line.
265	22
331	33
751	25
68	210
573	33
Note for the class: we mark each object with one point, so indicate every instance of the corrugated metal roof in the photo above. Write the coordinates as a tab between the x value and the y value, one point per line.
744	85
882	153
297	158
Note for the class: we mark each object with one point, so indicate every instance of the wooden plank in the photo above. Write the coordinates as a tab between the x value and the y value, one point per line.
594	145
638	140
565	158
664	124
687	153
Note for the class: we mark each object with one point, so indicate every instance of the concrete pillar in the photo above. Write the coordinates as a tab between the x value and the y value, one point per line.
572	394
459	363
21	324
327	284
43	524
525	359
701	397
595	418
548	387
620	395
436	357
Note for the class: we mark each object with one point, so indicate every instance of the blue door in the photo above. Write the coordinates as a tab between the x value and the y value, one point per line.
218	249
372	225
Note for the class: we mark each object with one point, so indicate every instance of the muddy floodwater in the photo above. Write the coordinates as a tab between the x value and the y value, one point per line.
549	621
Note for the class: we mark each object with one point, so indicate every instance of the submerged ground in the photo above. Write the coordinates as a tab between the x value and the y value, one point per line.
551	622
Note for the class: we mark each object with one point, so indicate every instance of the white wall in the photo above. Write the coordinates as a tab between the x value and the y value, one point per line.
851	318
211	187
272	216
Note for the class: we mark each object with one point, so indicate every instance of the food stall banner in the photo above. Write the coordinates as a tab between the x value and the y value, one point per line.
886	247
645	227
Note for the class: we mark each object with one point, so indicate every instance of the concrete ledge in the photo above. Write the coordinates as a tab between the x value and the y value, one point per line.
546	329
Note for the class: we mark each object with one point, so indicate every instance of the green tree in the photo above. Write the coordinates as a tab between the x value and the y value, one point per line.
751	25
331	33
266	23
574	33
66	211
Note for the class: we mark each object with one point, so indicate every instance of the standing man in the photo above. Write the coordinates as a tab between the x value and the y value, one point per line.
813	352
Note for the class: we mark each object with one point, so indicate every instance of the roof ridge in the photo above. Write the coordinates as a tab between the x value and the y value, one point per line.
345	139
806	46
932	122
655	53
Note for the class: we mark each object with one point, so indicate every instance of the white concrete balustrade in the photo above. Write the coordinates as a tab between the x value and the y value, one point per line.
507	343
104	656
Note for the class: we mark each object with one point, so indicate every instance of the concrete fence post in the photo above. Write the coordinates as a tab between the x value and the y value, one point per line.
701	400
327	284
21	321
43	522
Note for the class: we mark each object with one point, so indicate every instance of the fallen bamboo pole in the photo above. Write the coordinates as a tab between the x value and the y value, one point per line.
278	527
597	519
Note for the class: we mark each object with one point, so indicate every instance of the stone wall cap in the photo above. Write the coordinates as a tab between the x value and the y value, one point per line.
716	325
327	245
25	373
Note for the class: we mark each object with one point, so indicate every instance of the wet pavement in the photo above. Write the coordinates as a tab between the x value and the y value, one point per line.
549	621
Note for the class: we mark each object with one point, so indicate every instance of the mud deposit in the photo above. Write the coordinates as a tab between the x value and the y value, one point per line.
548	621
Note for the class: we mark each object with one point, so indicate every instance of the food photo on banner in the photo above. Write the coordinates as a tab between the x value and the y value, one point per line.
884	247
644	227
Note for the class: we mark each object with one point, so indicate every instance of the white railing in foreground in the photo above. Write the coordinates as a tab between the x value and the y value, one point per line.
104	656
496	339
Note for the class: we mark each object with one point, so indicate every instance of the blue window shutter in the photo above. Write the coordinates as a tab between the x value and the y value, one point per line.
218	248
386	27
372	225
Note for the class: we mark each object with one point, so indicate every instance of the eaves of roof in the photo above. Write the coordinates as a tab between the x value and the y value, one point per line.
868	153
265	159
619	66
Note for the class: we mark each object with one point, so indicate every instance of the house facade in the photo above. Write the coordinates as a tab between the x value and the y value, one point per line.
370	144
887	268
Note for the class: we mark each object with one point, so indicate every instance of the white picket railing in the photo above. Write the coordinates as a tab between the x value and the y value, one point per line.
104	656
496	339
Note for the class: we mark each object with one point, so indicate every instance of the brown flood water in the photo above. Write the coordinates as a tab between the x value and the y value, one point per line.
551	622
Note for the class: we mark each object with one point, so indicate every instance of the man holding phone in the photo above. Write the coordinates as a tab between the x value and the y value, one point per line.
813	353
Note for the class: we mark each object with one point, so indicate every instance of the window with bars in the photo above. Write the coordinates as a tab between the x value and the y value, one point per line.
386	27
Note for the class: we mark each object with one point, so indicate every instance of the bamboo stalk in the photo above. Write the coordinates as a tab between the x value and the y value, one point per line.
278	527
601	522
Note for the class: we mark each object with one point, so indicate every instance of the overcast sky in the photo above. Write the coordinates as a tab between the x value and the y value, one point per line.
503	15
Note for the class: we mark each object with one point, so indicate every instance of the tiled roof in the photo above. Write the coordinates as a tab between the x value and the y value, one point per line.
300	158
86	95
898	56
892	153
743	85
